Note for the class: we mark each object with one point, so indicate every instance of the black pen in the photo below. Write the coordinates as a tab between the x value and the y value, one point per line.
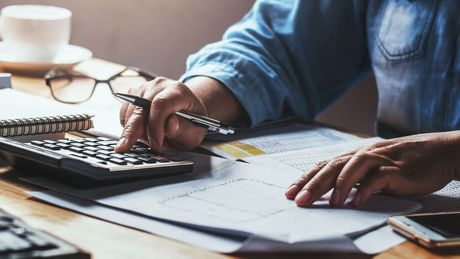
199	120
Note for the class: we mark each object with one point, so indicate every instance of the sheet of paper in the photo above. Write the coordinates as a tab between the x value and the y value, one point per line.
446	199
293	136
212	242
106	111
378	240
11	106
235	197
194	237
302	160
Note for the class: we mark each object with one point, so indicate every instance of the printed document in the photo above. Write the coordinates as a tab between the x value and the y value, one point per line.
239	198
302	160
291	136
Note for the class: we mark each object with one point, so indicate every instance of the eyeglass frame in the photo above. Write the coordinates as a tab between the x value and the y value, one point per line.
53	74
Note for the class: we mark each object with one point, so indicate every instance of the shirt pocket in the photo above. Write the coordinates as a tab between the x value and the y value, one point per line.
404	28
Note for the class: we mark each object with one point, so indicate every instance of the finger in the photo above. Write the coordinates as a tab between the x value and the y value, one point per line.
134	129
301	181
374	183
175	97
123	111
359	165
321	183
137	91
297	186
183	134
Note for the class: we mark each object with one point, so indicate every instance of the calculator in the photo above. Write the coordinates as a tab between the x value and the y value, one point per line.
19	240
90	161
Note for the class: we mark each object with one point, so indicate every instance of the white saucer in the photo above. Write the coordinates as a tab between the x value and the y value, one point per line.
68	57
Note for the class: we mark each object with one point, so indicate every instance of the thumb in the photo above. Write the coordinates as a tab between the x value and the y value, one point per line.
182	133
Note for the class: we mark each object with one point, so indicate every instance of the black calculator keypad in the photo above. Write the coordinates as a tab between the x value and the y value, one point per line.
100	150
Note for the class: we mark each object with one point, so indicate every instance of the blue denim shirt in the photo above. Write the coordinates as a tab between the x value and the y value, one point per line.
297	57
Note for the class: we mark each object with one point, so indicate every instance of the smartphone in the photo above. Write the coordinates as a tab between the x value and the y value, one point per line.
432	230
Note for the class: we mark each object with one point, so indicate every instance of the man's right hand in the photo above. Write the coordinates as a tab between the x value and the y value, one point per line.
160	127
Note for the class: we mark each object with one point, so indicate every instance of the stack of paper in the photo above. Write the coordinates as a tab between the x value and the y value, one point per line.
237	206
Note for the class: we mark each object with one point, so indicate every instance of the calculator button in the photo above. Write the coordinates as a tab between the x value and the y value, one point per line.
107	142
133	161
62	145
89	153
116	155
117	161
51	146
90	144
37	143
91	139
91	148
64	141
6	219
105	148
102	157
131	155
105	152
77	144
50	141
13	242
76	149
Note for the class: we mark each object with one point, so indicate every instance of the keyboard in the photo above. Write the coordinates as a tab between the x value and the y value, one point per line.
91	161
18	240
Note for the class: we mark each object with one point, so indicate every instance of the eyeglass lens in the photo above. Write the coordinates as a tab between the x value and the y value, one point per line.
122	84
72	89
76	89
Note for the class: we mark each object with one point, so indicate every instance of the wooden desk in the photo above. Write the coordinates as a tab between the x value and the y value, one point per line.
107	240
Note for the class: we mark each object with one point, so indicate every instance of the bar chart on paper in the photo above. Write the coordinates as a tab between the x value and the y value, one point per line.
293	136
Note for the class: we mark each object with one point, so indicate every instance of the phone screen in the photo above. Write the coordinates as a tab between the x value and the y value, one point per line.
447	225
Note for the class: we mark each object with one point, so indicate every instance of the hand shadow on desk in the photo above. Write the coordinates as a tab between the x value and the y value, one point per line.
203	166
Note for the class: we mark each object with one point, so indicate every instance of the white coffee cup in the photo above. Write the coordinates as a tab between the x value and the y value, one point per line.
35	33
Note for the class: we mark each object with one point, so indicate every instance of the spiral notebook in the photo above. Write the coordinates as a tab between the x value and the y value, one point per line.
23	114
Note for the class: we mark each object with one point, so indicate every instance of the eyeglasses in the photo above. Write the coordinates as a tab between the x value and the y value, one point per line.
73	87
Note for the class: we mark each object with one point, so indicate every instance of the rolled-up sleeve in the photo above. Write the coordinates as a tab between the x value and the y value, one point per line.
288	58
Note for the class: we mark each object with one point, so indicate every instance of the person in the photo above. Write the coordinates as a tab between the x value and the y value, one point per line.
296	58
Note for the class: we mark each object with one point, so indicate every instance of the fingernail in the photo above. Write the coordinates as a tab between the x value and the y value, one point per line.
121	142
292	191
357	199
303	198
335	197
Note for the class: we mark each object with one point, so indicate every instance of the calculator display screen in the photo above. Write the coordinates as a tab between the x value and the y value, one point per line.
447	225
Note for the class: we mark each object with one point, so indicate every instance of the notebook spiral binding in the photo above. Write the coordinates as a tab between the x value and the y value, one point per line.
45	125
